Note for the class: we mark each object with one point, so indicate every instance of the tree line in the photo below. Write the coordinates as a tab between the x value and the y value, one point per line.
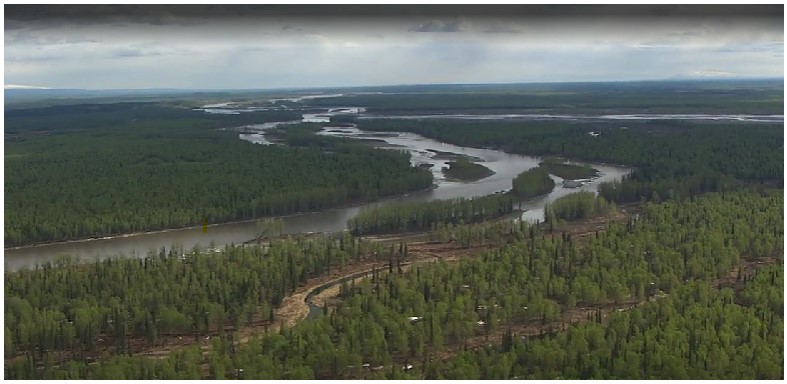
395	323
152	175
568	171
575	206
533	182
466	170
103	305
426	215
762	97
693	333
672	159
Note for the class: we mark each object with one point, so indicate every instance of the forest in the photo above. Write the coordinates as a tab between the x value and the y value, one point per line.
693	333
650	293
68	306
153	174
673	159
568	171
576	206
466	170
674	272
60	119
424	216
762	97
531	183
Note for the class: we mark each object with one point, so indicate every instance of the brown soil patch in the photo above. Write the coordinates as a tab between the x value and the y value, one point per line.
294	307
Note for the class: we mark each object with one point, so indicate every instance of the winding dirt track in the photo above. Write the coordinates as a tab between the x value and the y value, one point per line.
294	307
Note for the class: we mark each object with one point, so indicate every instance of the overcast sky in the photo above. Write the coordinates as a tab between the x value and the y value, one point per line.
103	47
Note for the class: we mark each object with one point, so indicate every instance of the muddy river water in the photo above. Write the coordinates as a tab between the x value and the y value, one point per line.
506	167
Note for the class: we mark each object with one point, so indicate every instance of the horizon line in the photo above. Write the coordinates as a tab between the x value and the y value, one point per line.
16	87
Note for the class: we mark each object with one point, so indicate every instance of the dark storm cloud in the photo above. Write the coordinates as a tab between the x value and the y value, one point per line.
158	14
684	34
290	28
225	46
502	28
25	37
439	26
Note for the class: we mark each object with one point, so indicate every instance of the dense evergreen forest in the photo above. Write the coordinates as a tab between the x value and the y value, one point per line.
575	206
68	306
61	119
427	215
688	284
466	170
762	97
304	135
568	171
673	159
173	168
533	182
693	333
668	263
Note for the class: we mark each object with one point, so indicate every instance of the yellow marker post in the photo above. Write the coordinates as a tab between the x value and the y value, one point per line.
204	225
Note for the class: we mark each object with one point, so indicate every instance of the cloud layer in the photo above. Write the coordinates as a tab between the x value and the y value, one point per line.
294	46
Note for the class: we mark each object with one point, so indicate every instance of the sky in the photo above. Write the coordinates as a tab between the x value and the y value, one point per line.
260	47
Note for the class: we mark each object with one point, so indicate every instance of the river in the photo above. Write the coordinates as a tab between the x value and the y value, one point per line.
621	117
506	167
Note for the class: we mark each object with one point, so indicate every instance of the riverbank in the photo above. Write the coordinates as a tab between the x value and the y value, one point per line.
465	171
314	294
569	171
451	156
532	183
224	223
505	165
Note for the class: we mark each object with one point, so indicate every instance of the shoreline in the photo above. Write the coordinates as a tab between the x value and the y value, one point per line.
344	206
167	230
